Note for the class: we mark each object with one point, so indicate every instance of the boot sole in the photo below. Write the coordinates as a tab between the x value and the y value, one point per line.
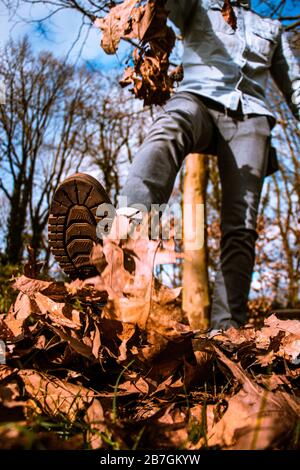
72	223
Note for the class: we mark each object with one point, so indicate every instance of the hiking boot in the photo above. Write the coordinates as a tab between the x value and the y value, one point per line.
72	223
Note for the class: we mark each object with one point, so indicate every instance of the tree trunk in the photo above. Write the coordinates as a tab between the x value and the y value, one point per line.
16	225
196	295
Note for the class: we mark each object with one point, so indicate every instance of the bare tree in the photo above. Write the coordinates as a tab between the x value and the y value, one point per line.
43	132
57	117
91	9
117	128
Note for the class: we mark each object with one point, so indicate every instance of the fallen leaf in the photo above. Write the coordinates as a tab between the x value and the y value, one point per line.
96	341
12	330
128	331
274	381
21	309
94	418
140	387
53	396
29	286
290	348
273	325
6	371
75	343
256	419
59	313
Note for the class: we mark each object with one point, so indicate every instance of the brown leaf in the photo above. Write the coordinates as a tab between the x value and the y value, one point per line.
139	386
21	309
96	341
75	343
91	290
136	299
94	417
229	15
30	286
272	325
53	396
282	337
166	253
130	292
274	381
116	25
177	74
255	418
163	295
9	395
12	330
115	276
277	338
290	348
59	313
128	331
167	257
57	291
239	336
164	356
170	430
6	371
97	258
197	367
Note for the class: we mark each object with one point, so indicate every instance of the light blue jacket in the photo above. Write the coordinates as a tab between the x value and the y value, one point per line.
230	65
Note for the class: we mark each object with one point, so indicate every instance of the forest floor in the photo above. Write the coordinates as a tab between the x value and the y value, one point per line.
111	362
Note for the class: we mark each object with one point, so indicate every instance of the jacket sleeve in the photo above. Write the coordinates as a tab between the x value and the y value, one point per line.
180	11
285	70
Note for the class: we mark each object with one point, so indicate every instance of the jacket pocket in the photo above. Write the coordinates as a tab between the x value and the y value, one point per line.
263	41
208	18
218	22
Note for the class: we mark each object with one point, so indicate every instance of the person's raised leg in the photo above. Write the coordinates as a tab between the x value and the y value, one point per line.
184	124
78	201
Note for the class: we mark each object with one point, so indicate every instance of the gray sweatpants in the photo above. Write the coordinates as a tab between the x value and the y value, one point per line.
189	124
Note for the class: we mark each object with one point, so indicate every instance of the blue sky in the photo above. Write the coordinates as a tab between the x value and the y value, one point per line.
59	33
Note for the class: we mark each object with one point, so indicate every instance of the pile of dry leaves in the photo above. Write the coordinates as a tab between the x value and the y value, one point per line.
110	362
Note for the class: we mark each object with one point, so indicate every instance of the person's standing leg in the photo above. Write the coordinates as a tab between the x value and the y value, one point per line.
242	160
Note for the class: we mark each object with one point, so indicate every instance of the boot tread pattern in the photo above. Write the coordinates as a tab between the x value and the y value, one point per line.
72	223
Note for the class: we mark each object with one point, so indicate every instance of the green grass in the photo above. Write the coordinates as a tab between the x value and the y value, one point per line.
7	293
